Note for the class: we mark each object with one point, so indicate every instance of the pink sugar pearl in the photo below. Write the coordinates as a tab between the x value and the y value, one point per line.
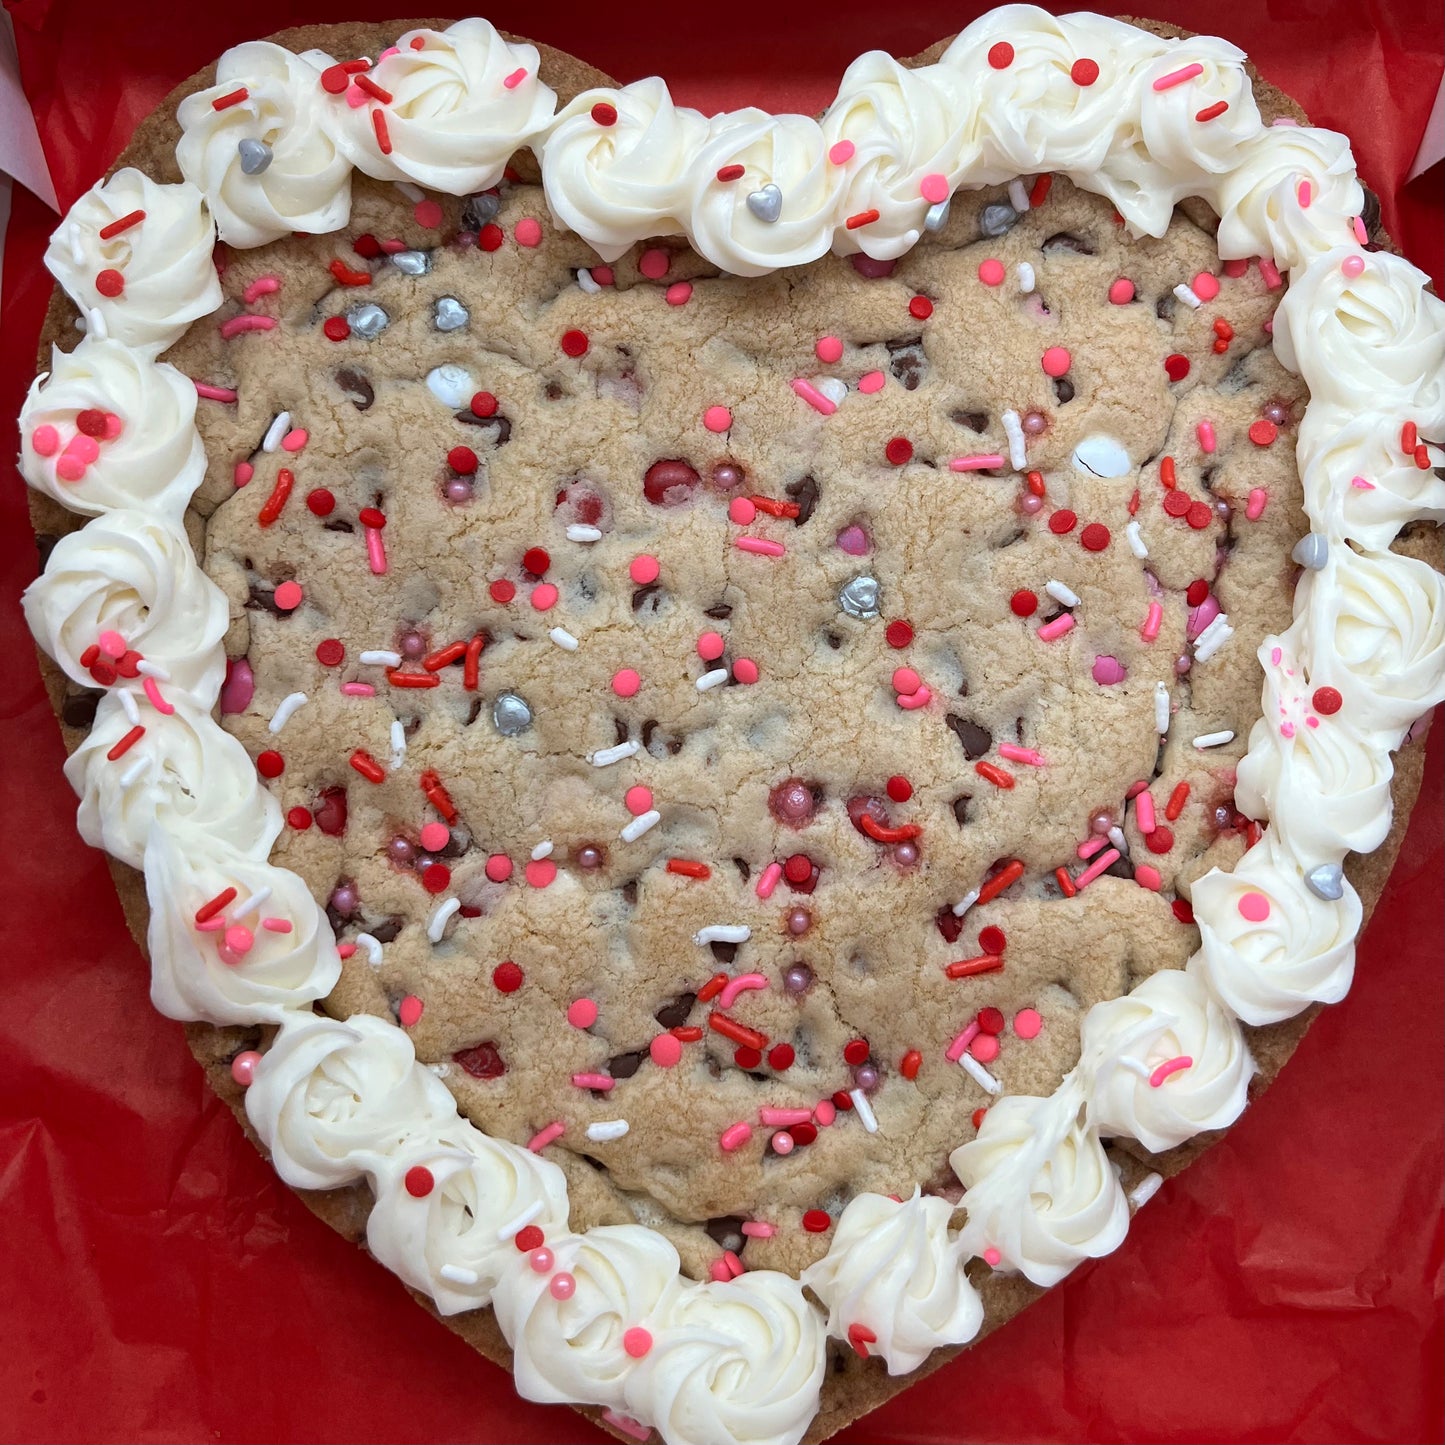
563	1286
666	1051
625	682
243	1067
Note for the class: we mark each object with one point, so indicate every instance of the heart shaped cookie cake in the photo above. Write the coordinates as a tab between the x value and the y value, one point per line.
687	691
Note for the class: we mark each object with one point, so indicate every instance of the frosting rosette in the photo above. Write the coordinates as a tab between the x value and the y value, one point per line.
334	1100
463	100
133	574
618	184
571	1348
266	102
903	125
1269	946
1167	1062
149	457
738	1362
452	1241
786	174
272	952
893	1269
1289	195
163	261
1373	626
1321	778
1378	335
179	768
1039	1188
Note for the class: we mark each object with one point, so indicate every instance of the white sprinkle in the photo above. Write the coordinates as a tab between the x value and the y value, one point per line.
514	1226
1026	277
710	680
979	1074
1018	197
278	429
411	192
563	639
77	250
605	757
251	904
585	281
580	532
372	947
1162	708
1145	1190
398	743
95	325
864	1110
723	933
1117	838
380	657
1136	542
640	825
608	1129
128	706
455	1274
290	705
438	922
541	851
1212	638
965	903
1187	296
1060	593
133	773
1214	740
1014	430
153	669
442	1071
836	391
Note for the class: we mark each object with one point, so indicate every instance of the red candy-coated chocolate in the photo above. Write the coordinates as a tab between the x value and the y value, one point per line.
747	1058
575	343
898	634
899	451
270	764
798	868
1263	432
1199	515
1176	503
910	1064
1062	522
1177	366
990	1021
1024	603
899	789
855	1051
817	1221
536	560
320	502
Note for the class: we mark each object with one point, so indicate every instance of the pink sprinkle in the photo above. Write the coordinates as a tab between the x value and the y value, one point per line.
112	643
345	950
1108	670
427	214
288	596
654	263
720	1274
515	79
1353	266
1306	194
602	1082
582	1013
761	546
638	800
1150	627
991	272
1063	623
1272	279
1090	846
644	569
356	97
678	294
829	349
1178	77
1101	864
1148	876
543	597
276	925
710	646
756	1229
602	275
375	550
768	880
1134	789
243	473
1205	286
991	1257
746	671
740	985
1057	361
825	1111
813	396
498	867
528	232
934	188
782	1118
544	1137
1121	292
1021	755
984	1048
625	682
1254	510
742	511
218	923
853	540
239	325
1166	1069
409	1011
540	872
83	448
156	700
919	699
46	440
1253	907
1360	484
214	393
435	837
735	1136
905	680
717	418
841	152
294	440
954	1052
637	1342
261	286
1361	234
1207	439
357	689
978	462
1144	811
666	1051
1027	1023
871	381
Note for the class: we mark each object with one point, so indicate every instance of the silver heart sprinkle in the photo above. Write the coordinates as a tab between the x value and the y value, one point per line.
511	714
937	216
412	263
449	314
367	322
997	219
1312	551
859	598
766	204
255	156
1327	881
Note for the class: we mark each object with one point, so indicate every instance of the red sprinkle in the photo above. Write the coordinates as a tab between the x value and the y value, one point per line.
462	460
781	1056
855	1052
1066	884
383	136
604	114
1084	72
471	662
443	656
843	1101
371	517
1199	515
712	988
335	79
994	775
124	223
490	237
1327	700
1062	522
730	173
1167	475
419	1181
299	818
746	1058
320	502
271	509
1177	799
881	834
912	1061
125	744
233	97
270	764
1176	503
1008	875
1024	603
730	1028
528	1238
367	766
1409	436
817	1221
507	977
330	652
980	963
437	796
1196	592
436	877
484	404
1211	111
1161	840
502	591
537	560
208	911
921	308
899	789
990	1021
803	1133
336	328
1182	911
899	451
575	343
863	218
1001	56
687	868
1177	366
1263	432
1094	537
411	679
898	634
345	276
992	939
798	868
1040	193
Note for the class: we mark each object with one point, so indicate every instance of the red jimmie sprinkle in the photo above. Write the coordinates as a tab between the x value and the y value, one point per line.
345	276
712	987
1066	884
969	967
730	173
367	84
881	834
978	1117
1006	877
1040	193
437	795
471	662
994	775
383	135
444	656
1177	799
862	218
604	114
125	222
233	97
1409	436
126	743
899	633
271	508
688	868
1167	475
911	1063
367	766
208	911
730	1028
412	679
686	1033
775	508
1211	111
899	451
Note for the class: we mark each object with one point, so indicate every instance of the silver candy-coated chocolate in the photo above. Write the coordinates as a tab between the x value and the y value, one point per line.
998	219
936	217
255	156
367	321
448	314
859	598
511	714
411	263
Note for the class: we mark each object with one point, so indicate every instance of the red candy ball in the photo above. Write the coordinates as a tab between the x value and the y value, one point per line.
1001	56
529	1238
1161	840
898	634
419	1181
747	1058
1024	603
1177	366
1084	72
490	237
1327	700
462	460
899	789
507	977
484	404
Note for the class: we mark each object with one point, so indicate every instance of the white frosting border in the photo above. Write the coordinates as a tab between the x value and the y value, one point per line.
337	1102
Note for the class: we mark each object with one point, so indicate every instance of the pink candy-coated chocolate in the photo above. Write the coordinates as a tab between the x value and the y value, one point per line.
427	215
666	1051
984	1048
742	511
678	294
1108	670
824	1111
654	263
710	646
294	439
1121	291
1028	1023
853	541
409	1011
1200	617
1056	361
243	473
934	188
829	349
540	872
841	152
644	569
991	272
625	682
638	800
239	686
872	381
717	418
582	1013
499	868
1205	286
1148	876
288	596
435	836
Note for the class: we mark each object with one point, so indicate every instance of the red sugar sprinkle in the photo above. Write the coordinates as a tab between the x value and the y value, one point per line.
1409	437
1134	503
899	451
1263	432
110	282
125	744
462	460
419	1181
270	764
1024	603
604	114
490	237
1036	483
1327	700
1001	56
899	789
686	1033
443	656
912	1061
575	343
781	1057
1199	515
376	92
798	868
855	1052
471	662
320	502
1161	840
1176	503
730	173
345	276
537	560
1177	366
383	136
1084	72
437	796
299	818
898	634
921	308
124	223
507	977
803	1133
335	79
208	911
484	404
1182	911
1177	799
1167	475
371	517
397	678
970	967
1066	884
1094	537
687	868
712	988
336	328
817	1221
843	1101
330	652
863	218
1062	522
992	939
502	591
730	1028
978	1117
1006	877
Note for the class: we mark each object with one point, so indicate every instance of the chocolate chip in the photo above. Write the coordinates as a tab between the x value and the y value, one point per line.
1121	867
498	424
479	210
387	930
357	387
629	892
1063	389
44	546
473	712
621	730
553	391
975	421
744	872
337	524
1067	241
960	809
1370	214
805	494
674	1015
727	1232
724	952
624	1066
720	613
648	597
976	740
907	363
1164	306
949	924
263	599
78	709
